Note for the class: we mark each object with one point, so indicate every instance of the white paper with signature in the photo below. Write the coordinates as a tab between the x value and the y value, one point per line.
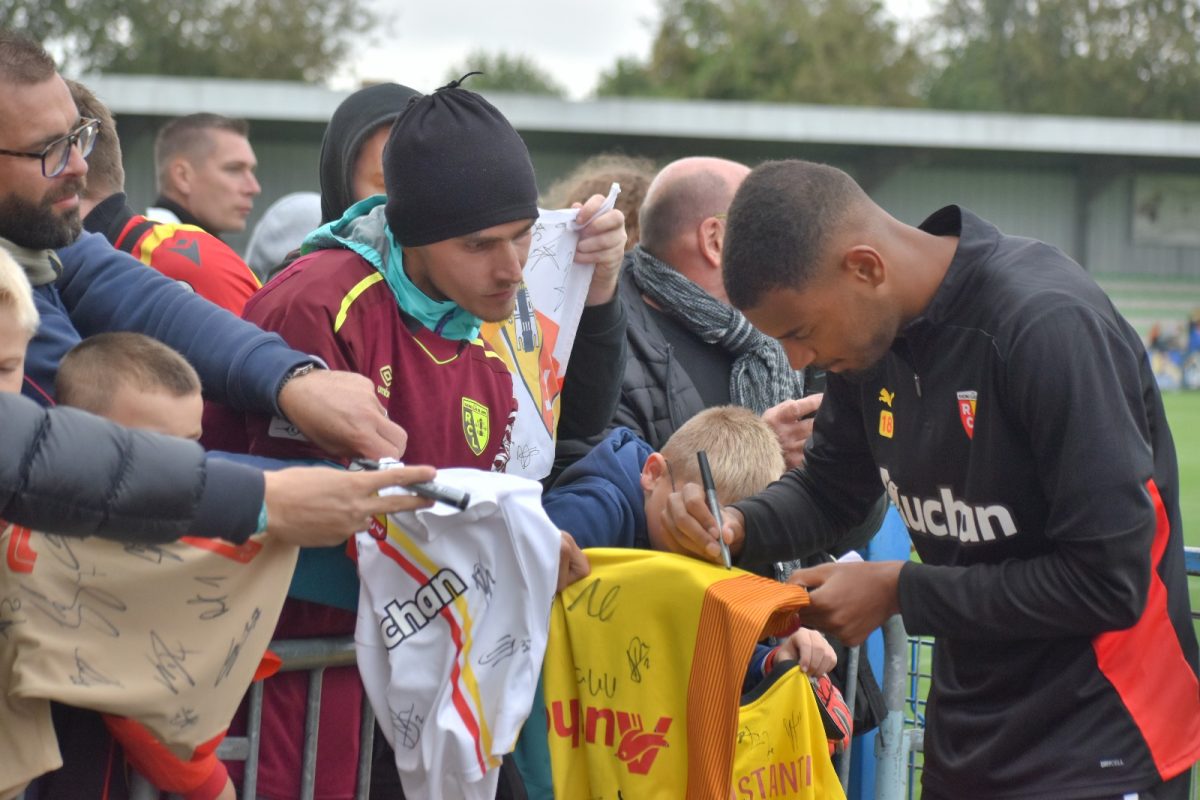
536	341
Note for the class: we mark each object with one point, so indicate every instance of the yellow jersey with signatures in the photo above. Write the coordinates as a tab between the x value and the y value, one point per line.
781	749
643	677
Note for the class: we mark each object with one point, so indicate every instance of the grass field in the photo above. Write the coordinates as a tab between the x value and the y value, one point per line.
1183	414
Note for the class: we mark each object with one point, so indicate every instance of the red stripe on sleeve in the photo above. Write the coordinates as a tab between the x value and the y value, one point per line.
1147	667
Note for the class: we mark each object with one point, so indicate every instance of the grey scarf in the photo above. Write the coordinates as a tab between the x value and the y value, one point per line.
761	376
40	266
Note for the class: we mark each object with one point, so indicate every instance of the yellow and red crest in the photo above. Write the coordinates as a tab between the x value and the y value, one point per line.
476	425
966	411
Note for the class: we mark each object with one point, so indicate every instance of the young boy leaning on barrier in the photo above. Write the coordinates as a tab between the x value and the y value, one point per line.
614	497
140	383
133	380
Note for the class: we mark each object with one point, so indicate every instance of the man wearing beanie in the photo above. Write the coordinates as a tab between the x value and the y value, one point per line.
396	289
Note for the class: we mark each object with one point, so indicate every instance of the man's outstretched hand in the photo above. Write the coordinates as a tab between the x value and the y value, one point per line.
321	506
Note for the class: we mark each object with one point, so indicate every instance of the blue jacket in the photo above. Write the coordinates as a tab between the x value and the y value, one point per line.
599	499
103	289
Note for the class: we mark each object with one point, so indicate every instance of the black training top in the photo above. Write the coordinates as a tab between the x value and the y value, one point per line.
1018	429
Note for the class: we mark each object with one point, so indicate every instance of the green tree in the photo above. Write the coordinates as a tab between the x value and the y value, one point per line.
841	52
1128	58
506	73
269	39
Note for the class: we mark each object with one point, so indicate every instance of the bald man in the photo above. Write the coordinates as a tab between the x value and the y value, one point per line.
688	348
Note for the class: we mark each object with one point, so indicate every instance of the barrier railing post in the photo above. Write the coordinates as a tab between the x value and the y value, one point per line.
253	733
850	696
891	772
312	723
366	752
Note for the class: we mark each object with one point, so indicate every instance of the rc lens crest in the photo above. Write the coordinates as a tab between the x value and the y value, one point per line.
476	425
966	411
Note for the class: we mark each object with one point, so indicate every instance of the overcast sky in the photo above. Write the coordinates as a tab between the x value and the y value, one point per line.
573	39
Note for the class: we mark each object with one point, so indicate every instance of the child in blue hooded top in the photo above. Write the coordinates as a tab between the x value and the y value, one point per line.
614	497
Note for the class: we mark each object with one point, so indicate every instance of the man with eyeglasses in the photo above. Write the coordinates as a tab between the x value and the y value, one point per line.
55	214
82	286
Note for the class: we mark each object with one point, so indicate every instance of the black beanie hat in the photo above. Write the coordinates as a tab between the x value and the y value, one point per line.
454	165
359	115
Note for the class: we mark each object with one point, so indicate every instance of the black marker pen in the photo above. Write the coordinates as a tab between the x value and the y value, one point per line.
714	504
438	492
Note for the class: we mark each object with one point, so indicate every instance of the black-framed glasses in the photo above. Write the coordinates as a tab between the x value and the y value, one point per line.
57	154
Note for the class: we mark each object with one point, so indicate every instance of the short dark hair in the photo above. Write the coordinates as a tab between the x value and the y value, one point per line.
92	371
680	206
780	225
22	60
106	172
187	136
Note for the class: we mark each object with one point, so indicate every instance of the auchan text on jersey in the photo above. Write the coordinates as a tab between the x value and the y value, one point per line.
946	515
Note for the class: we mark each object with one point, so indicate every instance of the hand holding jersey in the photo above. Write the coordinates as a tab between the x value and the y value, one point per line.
852	599
573	563
319	506
602	243
809	649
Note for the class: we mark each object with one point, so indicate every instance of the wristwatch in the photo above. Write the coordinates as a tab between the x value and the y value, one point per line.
296	372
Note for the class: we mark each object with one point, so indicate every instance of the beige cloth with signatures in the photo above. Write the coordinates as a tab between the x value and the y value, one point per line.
168	635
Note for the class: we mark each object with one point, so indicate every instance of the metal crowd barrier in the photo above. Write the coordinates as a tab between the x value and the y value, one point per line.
314	655
900	742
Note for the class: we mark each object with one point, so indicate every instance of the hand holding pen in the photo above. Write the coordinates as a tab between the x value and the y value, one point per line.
438	492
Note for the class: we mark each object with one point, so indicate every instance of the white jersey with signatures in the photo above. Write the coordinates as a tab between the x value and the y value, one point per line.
453	615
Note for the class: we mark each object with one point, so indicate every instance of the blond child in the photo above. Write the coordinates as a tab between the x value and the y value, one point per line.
18	323
615	495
